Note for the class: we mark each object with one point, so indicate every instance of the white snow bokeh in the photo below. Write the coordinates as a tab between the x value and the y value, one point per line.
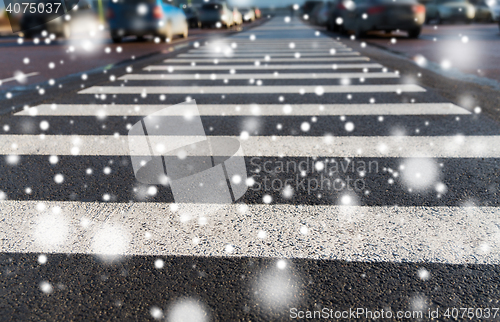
87	36
418	302
187	310
156	313
276	288
46	287
419	174
347	212
51	229
424	274
110	242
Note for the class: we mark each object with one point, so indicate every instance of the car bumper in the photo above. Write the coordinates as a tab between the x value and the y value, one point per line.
394	22
136	27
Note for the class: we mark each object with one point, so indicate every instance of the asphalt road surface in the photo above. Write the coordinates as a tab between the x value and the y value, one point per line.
369	192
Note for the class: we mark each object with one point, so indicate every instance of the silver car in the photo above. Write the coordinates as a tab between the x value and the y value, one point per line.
450	10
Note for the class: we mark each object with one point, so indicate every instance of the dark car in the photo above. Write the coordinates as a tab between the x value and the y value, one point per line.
191	16
62	26
321	13
215	14
362	16
309	6
145	17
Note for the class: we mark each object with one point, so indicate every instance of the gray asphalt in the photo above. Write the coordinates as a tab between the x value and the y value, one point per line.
378	257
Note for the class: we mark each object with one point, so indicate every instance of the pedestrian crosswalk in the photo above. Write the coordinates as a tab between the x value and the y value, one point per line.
257	76
265	66
103	110
413	207
396	88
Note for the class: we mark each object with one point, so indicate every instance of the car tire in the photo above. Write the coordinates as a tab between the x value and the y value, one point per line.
439	21
414	33
116	38
359	33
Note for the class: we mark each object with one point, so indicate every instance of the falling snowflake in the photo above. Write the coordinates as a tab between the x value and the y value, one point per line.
281	264
159	263
46	287
156	313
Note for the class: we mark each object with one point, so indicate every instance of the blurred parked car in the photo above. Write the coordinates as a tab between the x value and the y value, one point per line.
450	10
495	9
237	17
248	14
309	6
361	16
145	17
191	16
79	17
215	14
483	11
335	17
258	13
314	12
321	13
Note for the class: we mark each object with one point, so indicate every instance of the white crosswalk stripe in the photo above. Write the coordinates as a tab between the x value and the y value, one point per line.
274	60
102	110
398	88
263	55
263	66
391	231
294	146
213	76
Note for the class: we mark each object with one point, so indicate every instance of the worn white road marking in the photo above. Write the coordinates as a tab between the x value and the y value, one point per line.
351	233
293	146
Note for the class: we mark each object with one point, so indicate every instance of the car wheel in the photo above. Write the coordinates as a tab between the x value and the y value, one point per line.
359	32
438	19
116	38
414	33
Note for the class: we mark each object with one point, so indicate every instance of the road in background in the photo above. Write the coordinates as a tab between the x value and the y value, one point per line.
39	62
472	49
369	192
